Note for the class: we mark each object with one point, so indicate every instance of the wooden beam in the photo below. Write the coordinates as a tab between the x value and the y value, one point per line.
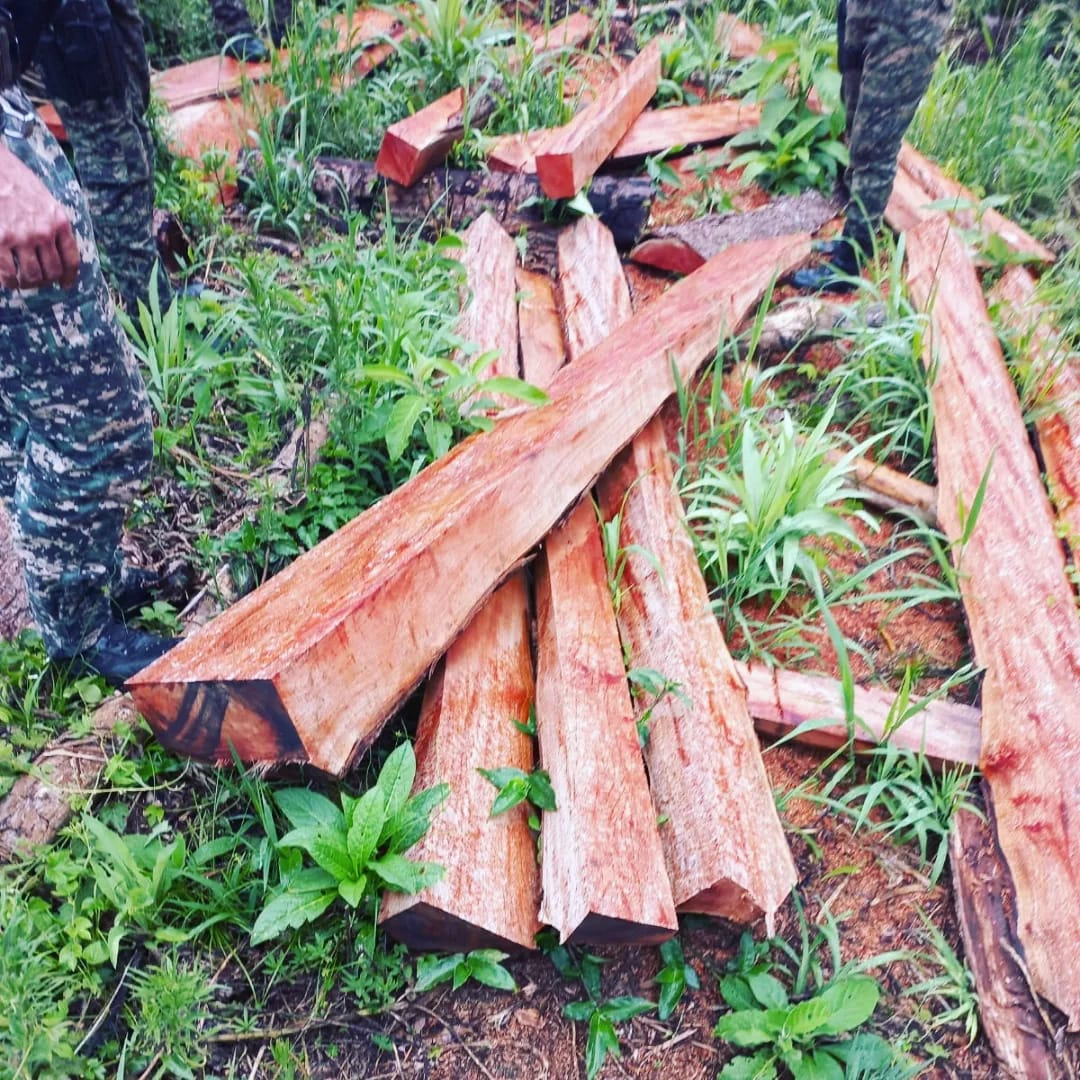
1057	419
309	666
1028	1041
451	198
543	350
653	131
683	248
490	892
740	39
415	144
570	160
211	77
1021	609
781	701
940	188
722	841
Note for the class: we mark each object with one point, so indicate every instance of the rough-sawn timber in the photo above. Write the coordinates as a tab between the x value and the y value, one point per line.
310	665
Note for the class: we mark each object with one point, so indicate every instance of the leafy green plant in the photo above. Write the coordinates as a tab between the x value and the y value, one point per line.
674	978
953	986
357	847
377	976
516	786
482	965
793	146
602	1040
648	688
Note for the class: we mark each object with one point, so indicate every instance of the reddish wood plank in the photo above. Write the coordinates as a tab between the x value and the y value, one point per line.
1057	423
940	187
1021	609
581	147
311	664
780	701
414	144
908	204
740	39
543	350
605	820
489	895
213	76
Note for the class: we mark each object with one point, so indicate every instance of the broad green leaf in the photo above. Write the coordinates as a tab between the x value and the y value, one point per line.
404	875
579	1010
491	974
761	1066
353	892
851	1001
289	911
501	777
406	828
602	1041
541	793
736	993
432	970
508	386
819	1065
512	793
625	1008
306	809
748	1027
768	990
671	991
369	817
806	1017
396	778
328	849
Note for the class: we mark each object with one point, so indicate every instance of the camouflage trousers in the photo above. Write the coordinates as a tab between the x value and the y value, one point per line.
114	156
75	428
887	53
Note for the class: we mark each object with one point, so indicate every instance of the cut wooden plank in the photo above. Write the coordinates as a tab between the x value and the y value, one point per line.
1021	609
1027	1041
781	701
414	144
908	203
683	248
543	351
603	872
70	767
453	197
653	131
604	821
311	664
210	77
1057	421
722	840
571	159
490	892
942	188
740	39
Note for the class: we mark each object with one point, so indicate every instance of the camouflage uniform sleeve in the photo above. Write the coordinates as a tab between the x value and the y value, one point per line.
75	427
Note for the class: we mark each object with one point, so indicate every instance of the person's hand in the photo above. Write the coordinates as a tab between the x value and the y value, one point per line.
37	242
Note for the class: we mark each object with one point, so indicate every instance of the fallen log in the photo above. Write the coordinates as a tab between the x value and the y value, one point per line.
604	819
571	159
489	894
942	188
309	666
210	77
453	197
889	489
1021	610
655	130
681	249
1026	1039
1057	375
414	144
39	803
714	798
780	701
908	204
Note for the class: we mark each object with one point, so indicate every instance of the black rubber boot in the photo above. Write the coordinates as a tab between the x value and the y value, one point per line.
138	588
120	652
247	47
838	274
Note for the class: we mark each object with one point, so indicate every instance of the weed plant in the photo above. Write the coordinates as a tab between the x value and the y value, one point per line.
177	31
1012	125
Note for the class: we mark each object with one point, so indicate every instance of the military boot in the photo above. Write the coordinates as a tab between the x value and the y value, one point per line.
839	273
247	47
120	652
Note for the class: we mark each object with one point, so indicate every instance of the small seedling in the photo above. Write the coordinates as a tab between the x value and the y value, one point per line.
517	786
674	978
602	1016
483	965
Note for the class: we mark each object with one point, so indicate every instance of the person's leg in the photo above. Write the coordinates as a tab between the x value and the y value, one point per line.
902	43
236	30
114	152
78	436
